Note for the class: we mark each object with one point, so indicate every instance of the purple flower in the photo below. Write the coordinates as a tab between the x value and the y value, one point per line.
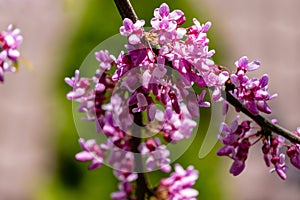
236	141
243	64
126	188
134	58
163	19
253	92
105	59
176	127
217	82
197	31
10	40
179	184
279	165
271	150
166	23
133	31
91	152
157	155
80	86
120	159
143	103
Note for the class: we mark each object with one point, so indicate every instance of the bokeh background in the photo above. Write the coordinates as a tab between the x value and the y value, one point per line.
38	139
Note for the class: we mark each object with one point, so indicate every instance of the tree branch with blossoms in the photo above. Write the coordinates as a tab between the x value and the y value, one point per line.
143	101
266	125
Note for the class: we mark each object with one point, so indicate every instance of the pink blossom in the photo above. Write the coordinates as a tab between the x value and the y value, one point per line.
157	155
166	23
91	152
236	141
10	40
105	59
133	31
180	182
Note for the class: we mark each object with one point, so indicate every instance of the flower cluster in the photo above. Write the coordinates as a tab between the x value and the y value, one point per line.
143	100
271	150
252	92
237	138
178	185
159	68
10	40
236	141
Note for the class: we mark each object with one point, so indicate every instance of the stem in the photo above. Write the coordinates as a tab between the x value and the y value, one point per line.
141	182
265	124
126	10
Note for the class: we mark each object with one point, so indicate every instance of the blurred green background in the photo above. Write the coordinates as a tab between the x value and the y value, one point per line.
71	179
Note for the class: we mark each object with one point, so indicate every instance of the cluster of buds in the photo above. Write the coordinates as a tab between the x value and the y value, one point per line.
10	40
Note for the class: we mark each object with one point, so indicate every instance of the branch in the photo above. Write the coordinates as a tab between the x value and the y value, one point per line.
265	124
141	183
126	10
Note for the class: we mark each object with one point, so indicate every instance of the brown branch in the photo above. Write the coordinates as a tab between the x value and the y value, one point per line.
126	10
265	124
141	183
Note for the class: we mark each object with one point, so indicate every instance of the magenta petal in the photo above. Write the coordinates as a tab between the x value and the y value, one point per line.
264	107
142	101
119	195
189	193
225	107
99	87
164	10
225	151
84	156
281	173
205	27
95	164
237	167
77	93
108	130
242	62
151	111
264	80
295	160
253	66
234	79
224	128
251	106
128	25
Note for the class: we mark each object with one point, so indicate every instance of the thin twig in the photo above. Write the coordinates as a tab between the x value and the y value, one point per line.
265	124
126	10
